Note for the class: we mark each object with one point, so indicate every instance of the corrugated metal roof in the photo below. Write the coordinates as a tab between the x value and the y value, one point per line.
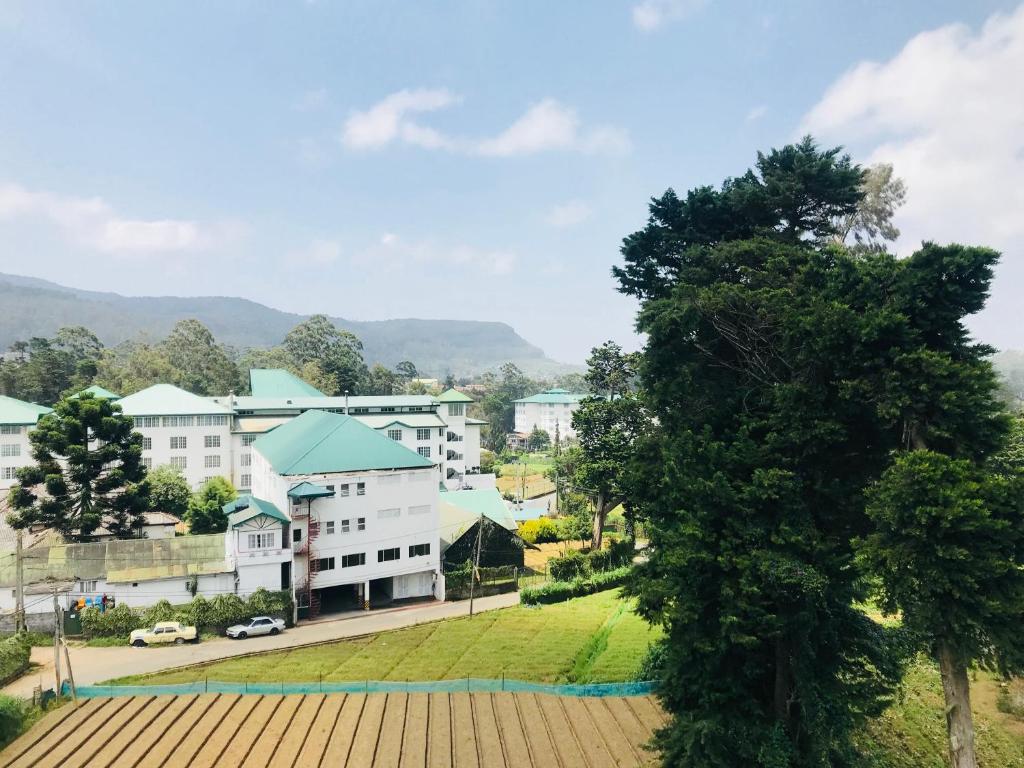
19	412
307	490
169	400
97	391
277	382
412	420
454	396
318	442
248	507
249	403
553	396
487	502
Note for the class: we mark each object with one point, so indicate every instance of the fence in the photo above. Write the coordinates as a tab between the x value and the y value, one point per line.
464	685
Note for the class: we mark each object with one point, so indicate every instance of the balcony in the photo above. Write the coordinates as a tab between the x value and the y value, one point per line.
454	456
454	438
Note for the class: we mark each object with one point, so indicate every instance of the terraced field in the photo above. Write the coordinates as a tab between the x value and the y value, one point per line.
423	730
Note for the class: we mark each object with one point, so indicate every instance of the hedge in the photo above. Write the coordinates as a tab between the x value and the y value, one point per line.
209	615
14	718
14	656
539	531
577	565
557	591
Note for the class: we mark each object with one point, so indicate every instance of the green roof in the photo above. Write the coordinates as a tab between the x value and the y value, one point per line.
277	382
320	442
453	396
97	391
553	396
252	507
482	501
307	490
169	400
475	421
19	412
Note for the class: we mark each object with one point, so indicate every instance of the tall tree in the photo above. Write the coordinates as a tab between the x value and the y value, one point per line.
381	381
133	366
169	491
871	225
610	372
338	353
201	365
206	508
88	472
407	370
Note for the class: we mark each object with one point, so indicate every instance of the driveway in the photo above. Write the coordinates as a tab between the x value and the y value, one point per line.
96	665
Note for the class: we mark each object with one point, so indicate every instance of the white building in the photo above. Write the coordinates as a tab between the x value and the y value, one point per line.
550	410
16	419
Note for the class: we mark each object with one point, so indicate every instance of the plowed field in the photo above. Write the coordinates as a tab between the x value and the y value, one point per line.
395	729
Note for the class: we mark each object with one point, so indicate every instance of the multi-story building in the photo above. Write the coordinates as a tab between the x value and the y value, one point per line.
16	419
550	410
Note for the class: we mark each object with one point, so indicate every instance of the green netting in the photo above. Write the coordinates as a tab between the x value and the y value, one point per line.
464	685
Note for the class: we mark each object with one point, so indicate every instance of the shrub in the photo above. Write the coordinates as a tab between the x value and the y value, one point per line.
226	610
620	553
120	620
162	610
600	560
558	591
538	531
14	656
14	714
653	663
572	565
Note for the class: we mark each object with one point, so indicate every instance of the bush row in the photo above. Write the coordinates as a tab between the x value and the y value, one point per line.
14	656
578	565
558	591
205	615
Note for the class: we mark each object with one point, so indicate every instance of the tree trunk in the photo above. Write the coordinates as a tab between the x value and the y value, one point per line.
956	689
599	515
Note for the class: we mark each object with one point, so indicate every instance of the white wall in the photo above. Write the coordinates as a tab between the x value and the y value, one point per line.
545	416
16	443
195	452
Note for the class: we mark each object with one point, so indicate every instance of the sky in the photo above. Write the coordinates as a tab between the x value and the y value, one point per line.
475	160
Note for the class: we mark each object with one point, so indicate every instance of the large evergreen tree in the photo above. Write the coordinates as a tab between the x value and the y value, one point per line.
88	472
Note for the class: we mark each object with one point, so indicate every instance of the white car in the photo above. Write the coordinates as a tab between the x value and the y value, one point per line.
257	625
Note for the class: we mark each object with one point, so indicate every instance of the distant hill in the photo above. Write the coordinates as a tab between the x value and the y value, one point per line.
34	307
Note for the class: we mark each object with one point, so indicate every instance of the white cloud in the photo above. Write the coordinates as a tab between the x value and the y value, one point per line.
384	121
651	14
93	223
568	214
398	252
947	112
756	113
545	126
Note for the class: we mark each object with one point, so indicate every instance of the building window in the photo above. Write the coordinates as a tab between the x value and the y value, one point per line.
395	434
179	443
360	523
261	540
211	462
358	410
147	462
87	586
245	460
147	443
419	550
420	509
343	489
387	409
146	421
211	441
10	429
10	449
424	451
246	481
179	421
384	555
181	462
296	535
422	434
249	439
351	561
327	564
388	514
456	409
360	489
330	527
440	432
7	473
211	421
344	526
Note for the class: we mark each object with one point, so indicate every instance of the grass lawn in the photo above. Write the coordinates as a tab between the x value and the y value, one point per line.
590	639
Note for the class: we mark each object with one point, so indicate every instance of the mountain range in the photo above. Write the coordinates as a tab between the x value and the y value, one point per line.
35	307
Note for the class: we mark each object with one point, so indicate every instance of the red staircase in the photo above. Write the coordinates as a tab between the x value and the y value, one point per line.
312	562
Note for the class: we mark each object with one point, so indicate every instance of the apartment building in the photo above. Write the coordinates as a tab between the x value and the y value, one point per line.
549	410
17	418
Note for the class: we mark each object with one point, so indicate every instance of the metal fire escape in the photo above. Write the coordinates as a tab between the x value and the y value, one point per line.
308	492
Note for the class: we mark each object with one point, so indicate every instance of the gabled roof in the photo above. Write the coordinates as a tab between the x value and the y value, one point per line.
319	442
411	420
307	490
99	392
245	508
305	402
169	400
553	396
19	412
277	382
454	396
483	501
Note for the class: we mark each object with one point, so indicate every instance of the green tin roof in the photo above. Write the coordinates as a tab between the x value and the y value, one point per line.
277	382
169	400
19	412
553	396
97	391
319	442
248	507
454	396
307	490
482	501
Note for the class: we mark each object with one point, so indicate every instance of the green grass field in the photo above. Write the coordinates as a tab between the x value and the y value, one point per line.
591	639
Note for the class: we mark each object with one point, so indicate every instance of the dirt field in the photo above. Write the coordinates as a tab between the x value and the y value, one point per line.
538	558
395	729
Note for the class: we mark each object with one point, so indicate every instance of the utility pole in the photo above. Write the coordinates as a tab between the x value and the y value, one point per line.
19	581
56	640
476	562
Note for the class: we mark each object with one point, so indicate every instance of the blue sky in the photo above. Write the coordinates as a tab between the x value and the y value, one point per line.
473	160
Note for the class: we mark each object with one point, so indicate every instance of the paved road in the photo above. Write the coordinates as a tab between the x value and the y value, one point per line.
96	665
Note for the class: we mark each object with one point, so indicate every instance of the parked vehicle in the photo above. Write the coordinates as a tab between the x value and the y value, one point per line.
163	632
257	625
